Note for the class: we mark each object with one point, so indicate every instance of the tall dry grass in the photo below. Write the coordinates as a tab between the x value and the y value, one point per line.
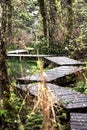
45	102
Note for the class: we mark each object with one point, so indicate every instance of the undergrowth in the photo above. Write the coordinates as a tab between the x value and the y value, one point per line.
19	113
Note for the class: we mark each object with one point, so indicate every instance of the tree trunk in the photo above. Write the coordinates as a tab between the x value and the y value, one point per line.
54	22
70	20
9	17
44	15
4	82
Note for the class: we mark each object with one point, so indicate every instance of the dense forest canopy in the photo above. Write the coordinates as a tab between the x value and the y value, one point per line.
62	25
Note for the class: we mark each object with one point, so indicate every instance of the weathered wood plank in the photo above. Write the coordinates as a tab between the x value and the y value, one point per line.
22	51
79	127
73	100
78	121
64	61
82	117
52	74
26	56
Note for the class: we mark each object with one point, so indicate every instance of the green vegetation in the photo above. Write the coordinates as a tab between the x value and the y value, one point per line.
17	68
21	116
80	86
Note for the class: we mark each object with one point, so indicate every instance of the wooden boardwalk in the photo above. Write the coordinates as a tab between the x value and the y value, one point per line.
78	121
63	61
70	99
51	74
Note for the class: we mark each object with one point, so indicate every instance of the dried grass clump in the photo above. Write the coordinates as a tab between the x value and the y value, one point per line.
45	102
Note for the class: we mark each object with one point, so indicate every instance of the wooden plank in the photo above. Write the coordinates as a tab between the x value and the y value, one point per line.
81	117
64	61
82	126
18	51
75	105
52	74
26	56
78	121
74	100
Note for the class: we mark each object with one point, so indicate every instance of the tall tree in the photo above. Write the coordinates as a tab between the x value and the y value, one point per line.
49	12
5	24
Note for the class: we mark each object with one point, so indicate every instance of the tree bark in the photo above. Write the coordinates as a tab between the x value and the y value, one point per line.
44	15
9	17
69	21
4	82
54	22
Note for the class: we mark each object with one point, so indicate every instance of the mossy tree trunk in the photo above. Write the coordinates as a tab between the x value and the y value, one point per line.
54	22
43	12
9	17
5	28
70	19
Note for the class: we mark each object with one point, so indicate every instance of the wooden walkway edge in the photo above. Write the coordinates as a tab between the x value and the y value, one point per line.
70	99
21	51
78	121
25	56
51	74
64	61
